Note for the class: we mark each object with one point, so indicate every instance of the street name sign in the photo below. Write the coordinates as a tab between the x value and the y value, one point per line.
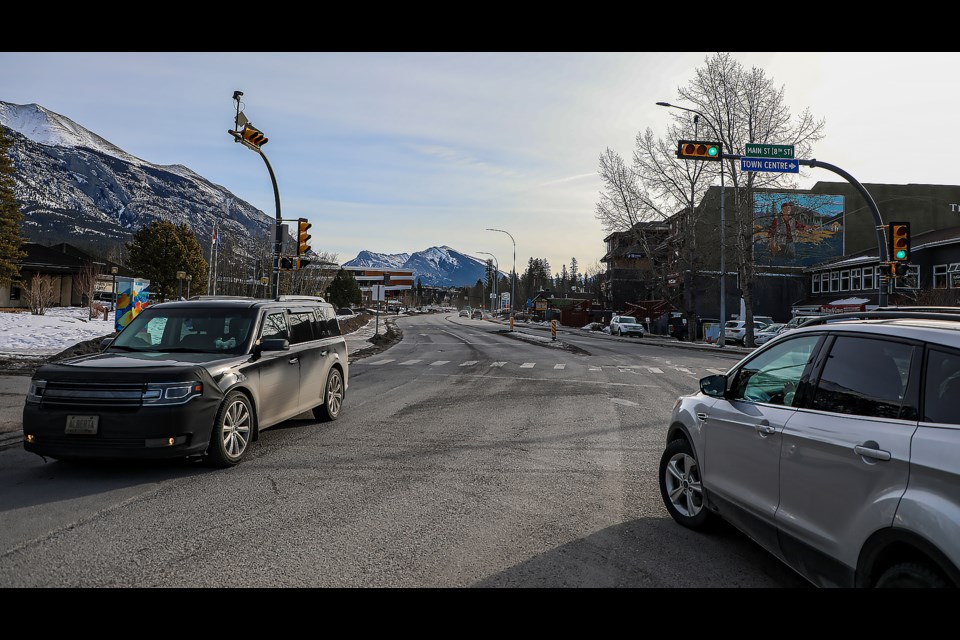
768	164
770	150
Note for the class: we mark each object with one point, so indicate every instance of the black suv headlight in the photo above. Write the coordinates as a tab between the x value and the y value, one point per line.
167	393
35	394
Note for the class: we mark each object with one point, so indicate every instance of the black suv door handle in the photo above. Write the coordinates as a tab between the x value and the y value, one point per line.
871	452
764	429
294	360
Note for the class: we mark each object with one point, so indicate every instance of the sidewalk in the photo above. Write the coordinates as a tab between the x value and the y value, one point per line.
13	391
649	338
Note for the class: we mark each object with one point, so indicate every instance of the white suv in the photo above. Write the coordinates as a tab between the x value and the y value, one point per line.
735	330
625	325
836	447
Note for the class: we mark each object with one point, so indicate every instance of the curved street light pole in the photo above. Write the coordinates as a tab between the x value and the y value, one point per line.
496	278
723	242
513	287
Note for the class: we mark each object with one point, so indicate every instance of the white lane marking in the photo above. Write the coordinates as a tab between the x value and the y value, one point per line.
685	370
716	371
424	335
551	380
622	370
559	366
383	361
497	364
438	363
595	369
528	365
626	403
469	363
411	362
654	370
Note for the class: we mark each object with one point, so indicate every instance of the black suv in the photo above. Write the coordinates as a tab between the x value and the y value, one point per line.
197	377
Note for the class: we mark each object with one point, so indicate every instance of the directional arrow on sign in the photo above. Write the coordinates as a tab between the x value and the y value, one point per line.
769	164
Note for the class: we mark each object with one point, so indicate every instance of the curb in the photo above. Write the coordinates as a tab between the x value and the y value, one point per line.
11	439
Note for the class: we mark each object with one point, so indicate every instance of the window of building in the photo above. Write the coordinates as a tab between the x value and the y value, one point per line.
14	292
911	280
844	280
939	276
854	279
868	278
815	283
865	377
953	275
825	281
834	281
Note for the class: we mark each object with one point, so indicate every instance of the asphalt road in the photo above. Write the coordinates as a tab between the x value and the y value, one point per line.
464	457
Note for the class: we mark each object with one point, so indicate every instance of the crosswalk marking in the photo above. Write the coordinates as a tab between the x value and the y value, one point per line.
716	371
654	370
384	361
595	369
527	365
559	366
497	364
411	362
685	370
469	363
438	363
628	369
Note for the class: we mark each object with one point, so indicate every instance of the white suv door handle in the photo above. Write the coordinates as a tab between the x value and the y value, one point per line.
876	454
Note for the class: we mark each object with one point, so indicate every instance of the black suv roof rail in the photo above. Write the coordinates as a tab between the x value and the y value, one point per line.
294	298
885	314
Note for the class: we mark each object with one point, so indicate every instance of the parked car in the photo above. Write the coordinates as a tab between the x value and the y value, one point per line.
476	315
346	311
199	377
796	321
735	330
465	312
836	447
626	326
768	332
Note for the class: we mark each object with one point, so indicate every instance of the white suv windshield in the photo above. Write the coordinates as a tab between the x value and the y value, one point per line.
627	320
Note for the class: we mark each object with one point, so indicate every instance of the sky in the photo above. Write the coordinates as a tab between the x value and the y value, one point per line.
398	152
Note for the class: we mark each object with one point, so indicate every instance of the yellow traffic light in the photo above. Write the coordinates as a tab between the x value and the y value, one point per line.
899	242
303	238
253	136
698	150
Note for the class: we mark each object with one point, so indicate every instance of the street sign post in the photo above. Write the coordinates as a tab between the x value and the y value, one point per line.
770	150
768	164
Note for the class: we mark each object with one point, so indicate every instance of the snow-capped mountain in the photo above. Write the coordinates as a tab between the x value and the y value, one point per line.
436	266
73	184
379	260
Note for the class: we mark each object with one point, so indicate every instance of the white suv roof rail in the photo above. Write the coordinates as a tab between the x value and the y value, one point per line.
303	298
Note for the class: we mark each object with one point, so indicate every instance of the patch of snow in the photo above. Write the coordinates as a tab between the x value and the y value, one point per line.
22	333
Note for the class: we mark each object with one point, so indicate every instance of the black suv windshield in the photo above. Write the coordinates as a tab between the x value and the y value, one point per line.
186	329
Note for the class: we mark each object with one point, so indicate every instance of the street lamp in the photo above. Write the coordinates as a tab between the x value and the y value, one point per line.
723	242
496	280
189	278
180	276
513	286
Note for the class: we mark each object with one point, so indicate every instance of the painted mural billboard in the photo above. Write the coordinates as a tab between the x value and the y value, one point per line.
797	229
131	300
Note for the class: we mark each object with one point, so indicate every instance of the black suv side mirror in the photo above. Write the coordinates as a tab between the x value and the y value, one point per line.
273	344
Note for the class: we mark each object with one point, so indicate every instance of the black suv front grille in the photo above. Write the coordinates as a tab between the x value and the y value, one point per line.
89	394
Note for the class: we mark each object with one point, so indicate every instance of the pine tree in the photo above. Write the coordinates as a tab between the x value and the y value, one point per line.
10	217
344	290
157	251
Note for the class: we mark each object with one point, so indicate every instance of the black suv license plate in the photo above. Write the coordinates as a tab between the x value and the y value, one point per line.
82	425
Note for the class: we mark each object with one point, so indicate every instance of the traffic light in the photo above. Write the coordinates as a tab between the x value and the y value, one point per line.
899	242
900	269
253	136
698	150
286	264
303	238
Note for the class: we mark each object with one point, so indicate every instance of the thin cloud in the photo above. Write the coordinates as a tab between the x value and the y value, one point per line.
460	157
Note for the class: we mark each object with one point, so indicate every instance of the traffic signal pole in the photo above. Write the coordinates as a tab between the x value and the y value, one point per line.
278	236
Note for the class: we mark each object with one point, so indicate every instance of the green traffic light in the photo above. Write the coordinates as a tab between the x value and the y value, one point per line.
901	254
712	151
